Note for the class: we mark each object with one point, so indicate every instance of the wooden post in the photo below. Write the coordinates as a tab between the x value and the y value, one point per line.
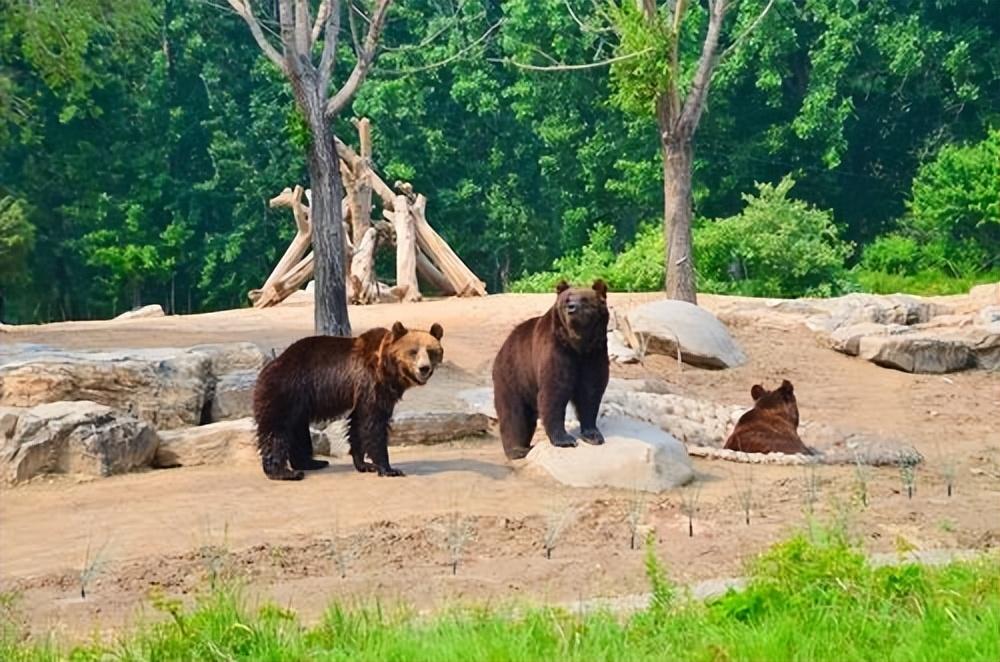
406	249
303	235
363	269
463	281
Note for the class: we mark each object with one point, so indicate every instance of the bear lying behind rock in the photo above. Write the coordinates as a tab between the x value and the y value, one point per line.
323	377
771	426
548	362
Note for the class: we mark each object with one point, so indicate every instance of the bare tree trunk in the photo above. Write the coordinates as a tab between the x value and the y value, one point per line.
328	228
677	215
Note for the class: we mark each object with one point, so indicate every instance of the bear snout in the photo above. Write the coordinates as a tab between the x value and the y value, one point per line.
425	371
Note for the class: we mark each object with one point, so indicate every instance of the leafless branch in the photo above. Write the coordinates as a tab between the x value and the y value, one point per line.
322	14
331	36
245	11
750	28
571	67
451	58
365	58
695	102
303	45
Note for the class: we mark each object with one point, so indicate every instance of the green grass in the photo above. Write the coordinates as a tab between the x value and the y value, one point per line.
809	598
928	282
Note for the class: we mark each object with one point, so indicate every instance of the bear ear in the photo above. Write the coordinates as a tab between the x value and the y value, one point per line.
757	392
398	330
562	286
601	288
437	331
786	387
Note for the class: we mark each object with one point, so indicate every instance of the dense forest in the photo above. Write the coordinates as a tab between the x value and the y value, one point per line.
846	144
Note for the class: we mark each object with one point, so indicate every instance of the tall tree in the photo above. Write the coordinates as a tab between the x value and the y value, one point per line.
308	52
652	70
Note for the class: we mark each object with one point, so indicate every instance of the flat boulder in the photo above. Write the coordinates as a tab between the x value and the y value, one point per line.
72	438
232	396
704	341
917	352
634	456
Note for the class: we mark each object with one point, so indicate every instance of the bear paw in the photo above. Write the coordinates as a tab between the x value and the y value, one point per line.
564	440
286	474
593	437
390	472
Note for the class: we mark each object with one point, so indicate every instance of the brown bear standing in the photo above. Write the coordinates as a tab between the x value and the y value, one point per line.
771	426
323	377
550	361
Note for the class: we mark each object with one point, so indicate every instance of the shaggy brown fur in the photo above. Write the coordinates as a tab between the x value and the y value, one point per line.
548	362
771	426
324	377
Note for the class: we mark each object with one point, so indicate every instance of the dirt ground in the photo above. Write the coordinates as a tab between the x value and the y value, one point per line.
343	536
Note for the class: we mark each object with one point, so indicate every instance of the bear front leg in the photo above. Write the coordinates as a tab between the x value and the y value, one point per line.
587	402
373	430
553	396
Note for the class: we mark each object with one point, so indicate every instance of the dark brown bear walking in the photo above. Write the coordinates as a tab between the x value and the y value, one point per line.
550	361
772	425
323	377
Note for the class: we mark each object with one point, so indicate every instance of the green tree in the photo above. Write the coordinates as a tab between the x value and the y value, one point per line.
955	204
777	246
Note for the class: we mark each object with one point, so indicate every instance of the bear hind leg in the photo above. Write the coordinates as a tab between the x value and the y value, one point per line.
274	448
517	425
301	452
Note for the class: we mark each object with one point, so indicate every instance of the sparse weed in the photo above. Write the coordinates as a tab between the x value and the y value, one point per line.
689	503
555	524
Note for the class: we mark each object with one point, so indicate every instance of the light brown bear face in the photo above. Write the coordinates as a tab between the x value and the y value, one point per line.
781	400
583	311
417	353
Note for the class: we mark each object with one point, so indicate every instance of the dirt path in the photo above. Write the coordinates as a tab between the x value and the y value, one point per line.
166	530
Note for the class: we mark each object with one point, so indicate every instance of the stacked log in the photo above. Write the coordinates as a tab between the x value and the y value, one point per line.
419	249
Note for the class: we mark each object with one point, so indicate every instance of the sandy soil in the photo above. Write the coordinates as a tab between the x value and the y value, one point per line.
167	531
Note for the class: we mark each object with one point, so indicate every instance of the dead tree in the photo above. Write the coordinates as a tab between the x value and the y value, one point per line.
309	71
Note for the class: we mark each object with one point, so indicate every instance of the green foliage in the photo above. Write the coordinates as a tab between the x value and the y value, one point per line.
955	204
168	107
807	598
17	237
638	268
777	246
645	45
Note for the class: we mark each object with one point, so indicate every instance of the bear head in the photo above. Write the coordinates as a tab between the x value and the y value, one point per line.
781	401
415	353
582	312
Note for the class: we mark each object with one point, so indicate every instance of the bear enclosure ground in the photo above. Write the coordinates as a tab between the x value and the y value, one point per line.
465	526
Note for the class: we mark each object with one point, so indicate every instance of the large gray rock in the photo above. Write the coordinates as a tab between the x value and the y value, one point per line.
232	396
71	438
704	341
935	349
635	456
164	386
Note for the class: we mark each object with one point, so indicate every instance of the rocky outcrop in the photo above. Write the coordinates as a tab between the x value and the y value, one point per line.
72	438
168	388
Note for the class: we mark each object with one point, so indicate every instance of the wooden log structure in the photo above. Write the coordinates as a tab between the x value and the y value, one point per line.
419	249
